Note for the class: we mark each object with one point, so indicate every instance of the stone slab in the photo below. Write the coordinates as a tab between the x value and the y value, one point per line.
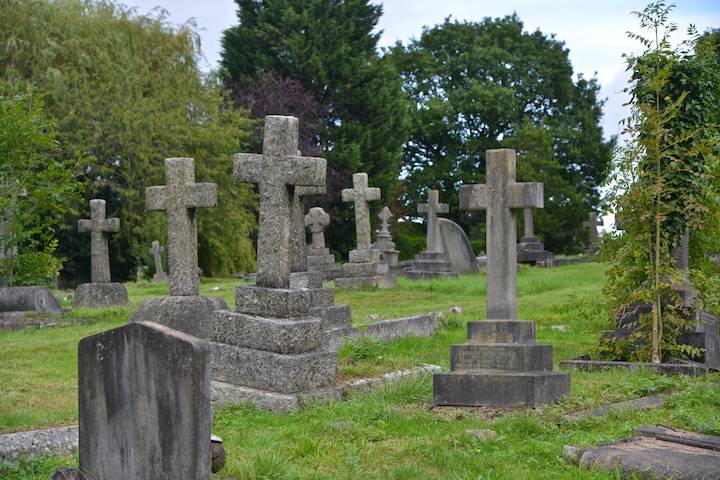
100	295
423	275
493	388
273	371
337	337
32	443
278	302
501	356
365	269
457	248
432	266
25	299
324	259
189	314
334	316
269	334
416	326
690	369
360	256
501	331
144	404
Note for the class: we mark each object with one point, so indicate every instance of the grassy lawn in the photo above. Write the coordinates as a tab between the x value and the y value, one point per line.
393	432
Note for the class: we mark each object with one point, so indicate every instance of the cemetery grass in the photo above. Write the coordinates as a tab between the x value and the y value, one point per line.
392	432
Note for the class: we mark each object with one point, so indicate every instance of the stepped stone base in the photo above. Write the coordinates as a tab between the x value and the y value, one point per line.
531	250
191	314
430	265
323	262
497	388
100	295
379	281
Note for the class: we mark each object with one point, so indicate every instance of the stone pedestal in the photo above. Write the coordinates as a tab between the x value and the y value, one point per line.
365	269
500	366
430	265
531	250
322	261
100	295
189	314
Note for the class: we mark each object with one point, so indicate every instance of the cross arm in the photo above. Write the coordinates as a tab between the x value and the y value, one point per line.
155	198
305	171
110	225
84	225
373	193
525	195
473	197
423	207
247	167
348	194
443	208
201	195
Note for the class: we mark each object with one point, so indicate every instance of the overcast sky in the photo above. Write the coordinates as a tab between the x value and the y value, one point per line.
593	30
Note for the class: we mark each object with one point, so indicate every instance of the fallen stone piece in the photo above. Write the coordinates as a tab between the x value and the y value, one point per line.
61	440
27	299
100	295
416	326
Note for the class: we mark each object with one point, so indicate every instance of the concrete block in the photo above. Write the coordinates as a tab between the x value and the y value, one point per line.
501	331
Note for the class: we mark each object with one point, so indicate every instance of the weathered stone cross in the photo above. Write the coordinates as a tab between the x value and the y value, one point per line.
98	225
156	251
181	196
277	171
591	224
317	220
500	196
361	194
432	208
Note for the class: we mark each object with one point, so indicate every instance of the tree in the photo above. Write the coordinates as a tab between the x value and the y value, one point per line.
478	86
125	91
330	47
38	188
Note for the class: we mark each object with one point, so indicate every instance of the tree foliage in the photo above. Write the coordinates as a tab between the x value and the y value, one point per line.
489	84
329	46
666	186
125	90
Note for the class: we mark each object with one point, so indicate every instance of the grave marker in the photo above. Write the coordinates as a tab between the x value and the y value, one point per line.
432	208
156	250
591	224
360	195
98	226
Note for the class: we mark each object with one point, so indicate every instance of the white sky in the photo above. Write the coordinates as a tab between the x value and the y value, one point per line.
593	30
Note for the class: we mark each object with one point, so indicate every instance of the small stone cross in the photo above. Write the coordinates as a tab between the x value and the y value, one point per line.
277	171
317	220
156	251
500	196
98	226
180	197
361	194
432	208
591	224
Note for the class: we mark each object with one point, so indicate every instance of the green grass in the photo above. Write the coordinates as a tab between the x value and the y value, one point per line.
393	432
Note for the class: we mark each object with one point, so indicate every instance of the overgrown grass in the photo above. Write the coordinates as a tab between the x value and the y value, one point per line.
392	432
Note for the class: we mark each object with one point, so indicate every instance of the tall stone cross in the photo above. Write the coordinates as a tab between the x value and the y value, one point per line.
591	224
432	208
361	194
180	197
156	251
500	196
277	171
98	226
317	220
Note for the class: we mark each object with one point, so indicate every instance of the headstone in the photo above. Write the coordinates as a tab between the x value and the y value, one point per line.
433	262
320	259
298	244
593	238
14	300
530	249
156	250
364	268
101	292
501	364
144	404
457	248
184	310
389	255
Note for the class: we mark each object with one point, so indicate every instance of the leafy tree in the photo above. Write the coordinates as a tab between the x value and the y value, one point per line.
489	84
331	48
667	183
37	188
125	90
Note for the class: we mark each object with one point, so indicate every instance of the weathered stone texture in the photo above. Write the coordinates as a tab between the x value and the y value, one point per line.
156	250
26	299
98	226
100	295
188	314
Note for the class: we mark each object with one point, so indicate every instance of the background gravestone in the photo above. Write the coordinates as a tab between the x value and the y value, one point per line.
433	262
156	250
456	247
593	238
389	255
530	249
320	259
144	404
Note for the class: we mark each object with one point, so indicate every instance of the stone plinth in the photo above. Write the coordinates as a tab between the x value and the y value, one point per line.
500	366
188	314
100	295
320	260
430	265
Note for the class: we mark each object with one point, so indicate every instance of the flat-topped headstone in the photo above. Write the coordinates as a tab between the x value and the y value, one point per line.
144	404
593	238
98	226
277	171
360	195
432	208
156	250
181	197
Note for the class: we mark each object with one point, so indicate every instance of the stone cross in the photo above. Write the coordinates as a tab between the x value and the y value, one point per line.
361	194
180	197
317	220
98	226
591	224
298	245
385	215
156	251
277	171
500	196
432	208
529	227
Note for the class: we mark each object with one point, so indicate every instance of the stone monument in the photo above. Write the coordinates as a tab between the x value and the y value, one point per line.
500	365
319	257
530	249
156	250
271	349
101	292
456	247
593	238
388	254
184	309
431	263
144	405
298	245
363	267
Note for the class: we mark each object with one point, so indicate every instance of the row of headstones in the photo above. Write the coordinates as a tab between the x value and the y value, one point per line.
145	388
